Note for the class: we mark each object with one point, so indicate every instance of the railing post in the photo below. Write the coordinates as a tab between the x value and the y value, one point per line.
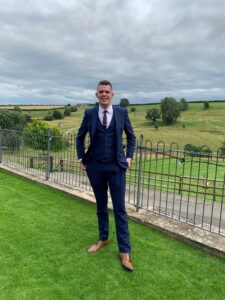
0	144
31	162
61	165
180	185
139	172
48	166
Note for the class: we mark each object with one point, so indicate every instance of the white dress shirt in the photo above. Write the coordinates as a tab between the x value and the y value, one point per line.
109	114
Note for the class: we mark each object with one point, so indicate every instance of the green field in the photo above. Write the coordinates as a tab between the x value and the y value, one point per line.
201	126
39	114
43	255
193	177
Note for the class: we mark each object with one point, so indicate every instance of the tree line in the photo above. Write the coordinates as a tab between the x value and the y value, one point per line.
33	133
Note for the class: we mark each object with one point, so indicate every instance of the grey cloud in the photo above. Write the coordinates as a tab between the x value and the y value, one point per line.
58	50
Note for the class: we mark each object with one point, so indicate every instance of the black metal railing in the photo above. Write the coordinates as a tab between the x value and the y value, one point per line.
183	184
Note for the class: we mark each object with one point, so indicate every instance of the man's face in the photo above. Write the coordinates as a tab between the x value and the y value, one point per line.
104	94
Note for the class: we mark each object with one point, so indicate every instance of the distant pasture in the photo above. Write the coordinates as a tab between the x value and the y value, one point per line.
31	107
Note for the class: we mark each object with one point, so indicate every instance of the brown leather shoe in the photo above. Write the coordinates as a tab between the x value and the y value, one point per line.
97	246
126	262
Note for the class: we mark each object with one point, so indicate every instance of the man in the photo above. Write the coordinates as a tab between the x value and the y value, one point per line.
106	164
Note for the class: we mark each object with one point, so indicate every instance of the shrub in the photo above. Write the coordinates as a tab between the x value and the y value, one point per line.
153	114
17	108
133	109
36	136
73	108
197	151
183	104
13	119
49	117
57	115
206	104
67	111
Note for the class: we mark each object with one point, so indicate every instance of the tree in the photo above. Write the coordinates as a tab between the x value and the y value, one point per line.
170	110
67	111
13	119
69	108
48	117
153	114
124	102
17	108
57	115
206	104
74	108
36	136
183	104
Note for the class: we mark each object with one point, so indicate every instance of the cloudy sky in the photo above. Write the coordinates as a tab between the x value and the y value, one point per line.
56	51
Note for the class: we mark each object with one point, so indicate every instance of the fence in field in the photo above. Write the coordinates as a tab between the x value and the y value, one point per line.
184	184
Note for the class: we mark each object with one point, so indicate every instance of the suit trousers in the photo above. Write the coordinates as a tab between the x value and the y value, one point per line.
104	175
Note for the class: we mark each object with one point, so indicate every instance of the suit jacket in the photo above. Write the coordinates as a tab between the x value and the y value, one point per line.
122	123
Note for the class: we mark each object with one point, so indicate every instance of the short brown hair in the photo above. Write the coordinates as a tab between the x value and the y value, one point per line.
104	82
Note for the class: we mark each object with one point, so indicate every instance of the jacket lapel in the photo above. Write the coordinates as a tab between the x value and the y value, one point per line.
116	114
94	121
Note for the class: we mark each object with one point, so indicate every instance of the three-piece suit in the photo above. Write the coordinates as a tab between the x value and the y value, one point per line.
106	164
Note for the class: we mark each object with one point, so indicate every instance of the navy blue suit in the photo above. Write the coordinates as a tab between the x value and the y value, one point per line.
106	166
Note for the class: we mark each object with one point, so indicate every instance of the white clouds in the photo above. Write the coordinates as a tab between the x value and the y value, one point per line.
59	50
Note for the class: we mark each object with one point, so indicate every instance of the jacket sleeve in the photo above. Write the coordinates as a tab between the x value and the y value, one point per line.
80	138
131	139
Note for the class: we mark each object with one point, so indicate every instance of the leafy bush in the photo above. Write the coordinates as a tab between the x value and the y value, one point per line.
12	139
67	111
36	136
17	108
153	114
49	117
73	108
57	115
133	109
197	151
183	104
13	119
206	104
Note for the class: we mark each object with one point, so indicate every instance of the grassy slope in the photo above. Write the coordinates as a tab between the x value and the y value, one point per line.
44	236
201	126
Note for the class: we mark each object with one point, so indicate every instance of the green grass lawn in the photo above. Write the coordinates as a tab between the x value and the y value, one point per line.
43	253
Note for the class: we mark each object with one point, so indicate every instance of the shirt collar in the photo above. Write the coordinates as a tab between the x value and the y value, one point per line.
109	109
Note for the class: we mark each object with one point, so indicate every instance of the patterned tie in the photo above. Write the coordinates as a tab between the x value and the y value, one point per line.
105	119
